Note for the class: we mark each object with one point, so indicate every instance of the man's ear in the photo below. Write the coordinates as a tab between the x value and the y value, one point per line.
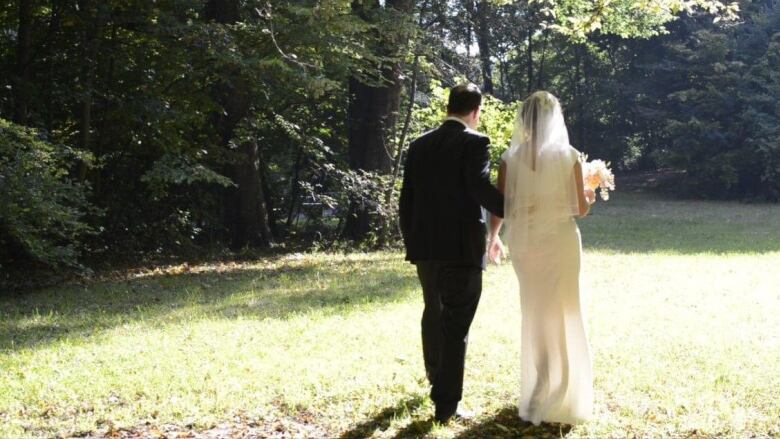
476	113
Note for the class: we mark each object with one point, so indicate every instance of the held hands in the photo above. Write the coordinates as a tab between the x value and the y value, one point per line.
496	250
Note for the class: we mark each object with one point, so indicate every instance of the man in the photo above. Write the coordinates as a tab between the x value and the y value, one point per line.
446	185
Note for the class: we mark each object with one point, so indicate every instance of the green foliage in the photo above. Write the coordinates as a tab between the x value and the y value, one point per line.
626	18
721	124
172	169
498	122
166	100
700	100
43	212
497	119
361	189
172	97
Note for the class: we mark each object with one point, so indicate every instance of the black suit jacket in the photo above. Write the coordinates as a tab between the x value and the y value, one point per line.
446	185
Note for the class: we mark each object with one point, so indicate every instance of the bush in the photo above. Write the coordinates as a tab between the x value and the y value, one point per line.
42	210
497	120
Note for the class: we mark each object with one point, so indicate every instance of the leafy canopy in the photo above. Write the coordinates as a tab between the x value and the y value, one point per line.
625	18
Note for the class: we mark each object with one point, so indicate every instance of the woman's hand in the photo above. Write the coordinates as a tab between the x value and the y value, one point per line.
590	196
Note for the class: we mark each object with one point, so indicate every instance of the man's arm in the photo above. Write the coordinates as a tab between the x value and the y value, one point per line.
478	177
496	251
405	204
496	221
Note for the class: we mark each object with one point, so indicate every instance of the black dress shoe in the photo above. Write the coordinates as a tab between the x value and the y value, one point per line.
445	412
459	414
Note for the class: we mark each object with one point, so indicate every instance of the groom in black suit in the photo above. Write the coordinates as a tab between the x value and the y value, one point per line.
446	189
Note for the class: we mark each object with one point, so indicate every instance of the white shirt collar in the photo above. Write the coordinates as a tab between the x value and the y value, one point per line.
457	119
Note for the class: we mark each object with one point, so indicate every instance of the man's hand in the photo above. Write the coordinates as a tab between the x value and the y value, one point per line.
496	250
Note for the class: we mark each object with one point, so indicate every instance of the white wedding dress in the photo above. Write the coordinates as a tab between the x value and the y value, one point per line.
545	247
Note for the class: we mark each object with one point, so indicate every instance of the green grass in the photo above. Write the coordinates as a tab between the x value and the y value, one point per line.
681	300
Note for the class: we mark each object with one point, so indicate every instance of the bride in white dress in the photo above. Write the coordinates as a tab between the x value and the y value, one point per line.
541	177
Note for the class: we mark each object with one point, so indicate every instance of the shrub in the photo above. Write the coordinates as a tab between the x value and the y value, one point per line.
42	210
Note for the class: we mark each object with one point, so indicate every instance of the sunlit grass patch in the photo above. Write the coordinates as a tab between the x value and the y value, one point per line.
681	300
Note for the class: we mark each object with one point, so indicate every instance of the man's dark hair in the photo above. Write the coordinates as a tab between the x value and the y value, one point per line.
464	99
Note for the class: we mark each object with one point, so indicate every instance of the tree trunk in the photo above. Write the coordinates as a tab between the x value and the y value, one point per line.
504	85
102	127
540	70
90	43
484	42
530	60
21	83
581	73
575	90
295	186
267	196
373	112
252	228
399	152
399	156
247	211
469	37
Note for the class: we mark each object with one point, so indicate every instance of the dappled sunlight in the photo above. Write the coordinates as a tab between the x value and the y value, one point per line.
683	342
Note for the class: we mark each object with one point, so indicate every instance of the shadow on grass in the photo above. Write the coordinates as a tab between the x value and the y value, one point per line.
507	424
77	312
503	424
416	429
383	419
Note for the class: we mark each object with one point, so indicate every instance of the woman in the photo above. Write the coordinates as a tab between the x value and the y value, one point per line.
541	177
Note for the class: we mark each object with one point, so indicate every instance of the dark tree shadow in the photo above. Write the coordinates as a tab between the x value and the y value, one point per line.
507	424
416	429
81	311
383	420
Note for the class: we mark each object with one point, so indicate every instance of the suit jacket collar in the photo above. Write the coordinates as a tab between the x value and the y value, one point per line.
454	122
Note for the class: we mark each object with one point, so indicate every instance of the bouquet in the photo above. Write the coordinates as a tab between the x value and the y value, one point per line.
597	175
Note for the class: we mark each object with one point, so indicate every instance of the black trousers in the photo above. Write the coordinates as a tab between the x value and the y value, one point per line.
451	293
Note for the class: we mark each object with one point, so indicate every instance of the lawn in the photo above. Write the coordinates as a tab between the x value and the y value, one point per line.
681	298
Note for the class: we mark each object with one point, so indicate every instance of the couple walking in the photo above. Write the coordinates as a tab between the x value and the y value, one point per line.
446	190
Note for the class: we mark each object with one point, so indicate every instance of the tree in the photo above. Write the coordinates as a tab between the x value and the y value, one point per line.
375	101
721	118
247	210
480	12
203	123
